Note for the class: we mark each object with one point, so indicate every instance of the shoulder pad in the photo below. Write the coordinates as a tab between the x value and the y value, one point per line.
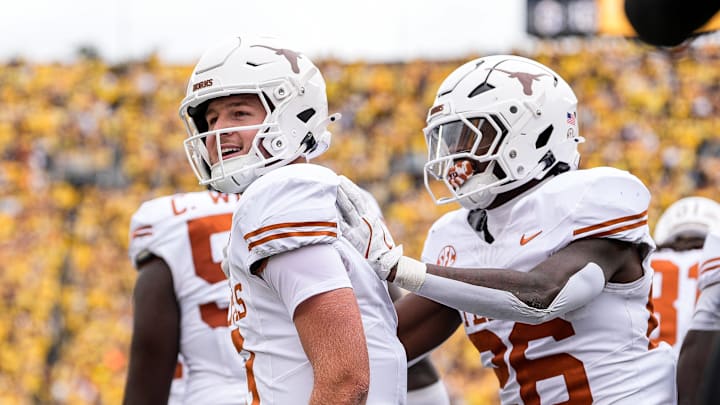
710	261
613	204
288	208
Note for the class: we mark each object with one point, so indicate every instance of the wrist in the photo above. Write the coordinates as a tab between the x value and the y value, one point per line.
408	274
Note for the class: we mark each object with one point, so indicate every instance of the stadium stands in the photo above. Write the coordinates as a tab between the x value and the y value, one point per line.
83	144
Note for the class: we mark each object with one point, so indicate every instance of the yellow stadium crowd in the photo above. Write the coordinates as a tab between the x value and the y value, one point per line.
83	144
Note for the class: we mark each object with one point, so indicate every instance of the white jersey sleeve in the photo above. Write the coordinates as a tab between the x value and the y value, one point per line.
614	204
151	229
316	268
710	261
288	208
707	311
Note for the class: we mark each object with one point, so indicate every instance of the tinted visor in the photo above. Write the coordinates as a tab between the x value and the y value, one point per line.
478	138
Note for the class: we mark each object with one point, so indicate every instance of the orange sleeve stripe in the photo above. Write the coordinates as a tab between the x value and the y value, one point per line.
291	234
709	262
705	269
145	230
288	225
618	229
610	222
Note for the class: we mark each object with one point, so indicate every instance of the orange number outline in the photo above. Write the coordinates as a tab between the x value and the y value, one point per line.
530	371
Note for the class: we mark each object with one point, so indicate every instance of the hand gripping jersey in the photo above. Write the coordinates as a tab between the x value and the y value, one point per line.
674	293
189	232
599	353
707	312
293	209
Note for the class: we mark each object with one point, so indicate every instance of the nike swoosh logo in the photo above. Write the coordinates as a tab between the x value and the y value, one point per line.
524	240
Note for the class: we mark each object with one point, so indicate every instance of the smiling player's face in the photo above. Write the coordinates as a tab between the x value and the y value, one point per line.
231	112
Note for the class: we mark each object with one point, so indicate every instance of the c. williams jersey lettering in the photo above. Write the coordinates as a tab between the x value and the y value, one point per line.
599	353
293	209
189	231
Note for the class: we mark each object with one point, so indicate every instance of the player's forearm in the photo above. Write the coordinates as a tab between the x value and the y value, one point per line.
496	303
532	288
529	287
147	384
692	363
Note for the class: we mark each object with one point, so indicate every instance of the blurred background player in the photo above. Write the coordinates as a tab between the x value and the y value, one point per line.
679	234
181	302
698	363
314	324
550	264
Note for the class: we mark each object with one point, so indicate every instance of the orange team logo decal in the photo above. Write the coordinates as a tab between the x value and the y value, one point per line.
291	56
447	256
526	79
524	241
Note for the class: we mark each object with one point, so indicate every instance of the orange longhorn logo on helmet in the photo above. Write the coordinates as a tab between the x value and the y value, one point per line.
525	79
291	56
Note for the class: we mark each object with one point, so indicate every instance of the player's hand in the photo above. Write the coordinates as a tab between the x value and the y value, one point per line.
365	230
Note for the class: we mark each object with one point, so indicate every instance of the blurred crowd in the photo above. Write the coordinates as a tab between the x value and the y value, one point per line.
83	144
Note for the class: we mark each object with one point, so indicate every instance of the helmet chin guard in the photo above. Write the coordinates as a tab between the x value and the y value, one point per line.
511	118
478	197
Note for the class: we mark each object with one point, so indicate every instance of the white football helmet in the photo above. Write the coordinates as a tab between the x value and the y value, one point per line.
687	217
290	88
497	123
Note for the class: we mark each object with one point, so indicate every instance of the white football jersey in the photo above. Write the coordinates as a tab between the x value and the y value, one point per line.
293	209
189	231
707	312
674	293
710	261
599	353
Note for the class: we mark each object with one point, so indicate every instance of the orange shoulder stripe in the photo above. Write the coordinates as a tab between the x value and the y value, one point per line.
613	222
710	261
289	235
287	225
709	265
145	230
